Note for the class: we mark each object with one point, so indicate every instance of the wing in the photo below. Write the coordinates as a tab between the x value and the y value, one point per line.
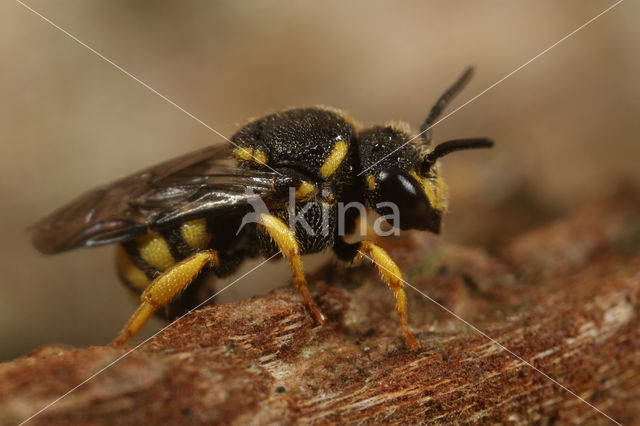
195	184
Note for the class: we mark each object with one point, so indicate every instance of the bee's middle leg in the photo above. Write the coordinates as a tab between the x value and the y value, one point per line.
286	241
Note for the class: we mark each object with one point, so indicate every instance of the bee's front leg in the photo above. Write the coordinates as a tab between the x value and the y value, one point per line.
388	269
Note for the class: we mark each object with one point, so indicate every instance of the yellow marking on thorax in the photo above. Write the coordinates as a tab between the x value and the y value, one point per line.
251	155
436	191
329	197
194	233
371	182
259	156
130	272
155	251
334	159
305	190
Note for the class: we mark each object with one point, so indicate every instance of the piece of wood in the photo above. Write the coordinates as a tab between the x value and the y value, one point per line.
564	298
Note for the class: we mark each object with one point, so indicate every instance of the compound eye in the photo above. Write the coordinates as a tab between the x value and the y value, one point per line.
402	189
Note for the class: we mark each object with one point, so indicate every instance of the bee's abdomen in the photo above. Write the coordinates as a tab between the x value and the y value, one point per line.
141	260
133	276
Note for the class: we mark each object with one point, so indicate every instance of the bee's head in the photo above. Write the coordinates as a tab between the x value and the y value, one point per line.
401	174
402	179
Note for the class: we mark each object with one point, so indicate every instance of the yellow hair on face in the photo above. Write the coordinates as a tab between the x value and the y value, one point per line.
434	188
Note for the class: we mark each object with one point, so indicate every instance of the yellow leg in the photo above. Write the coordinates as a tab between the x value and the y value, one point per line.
286	241
393	277
164	288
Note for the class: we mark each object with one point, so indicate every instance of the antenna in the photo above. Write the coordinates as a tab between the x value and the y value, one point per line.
450	146
442	103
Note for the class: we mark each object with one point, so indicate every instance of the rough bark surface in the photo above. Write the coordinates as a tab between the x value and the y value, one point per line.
563	297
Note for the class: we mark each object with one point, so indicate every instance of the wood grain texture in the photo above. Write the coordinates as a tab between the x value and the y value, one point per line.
563	297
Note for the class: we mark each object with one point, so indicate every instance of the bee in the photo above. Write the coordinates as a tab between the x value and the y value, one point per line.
196	213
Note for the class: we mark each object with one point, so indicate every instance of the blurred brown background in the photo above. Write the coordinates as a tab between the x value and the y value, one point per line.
566	126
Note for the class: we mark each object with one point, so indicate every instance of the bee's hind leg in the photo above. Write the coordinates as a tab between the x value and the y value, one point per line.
164	288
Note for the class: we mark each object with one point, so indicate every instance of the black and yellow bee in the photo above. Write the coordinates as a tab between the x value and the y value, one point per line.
177	219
